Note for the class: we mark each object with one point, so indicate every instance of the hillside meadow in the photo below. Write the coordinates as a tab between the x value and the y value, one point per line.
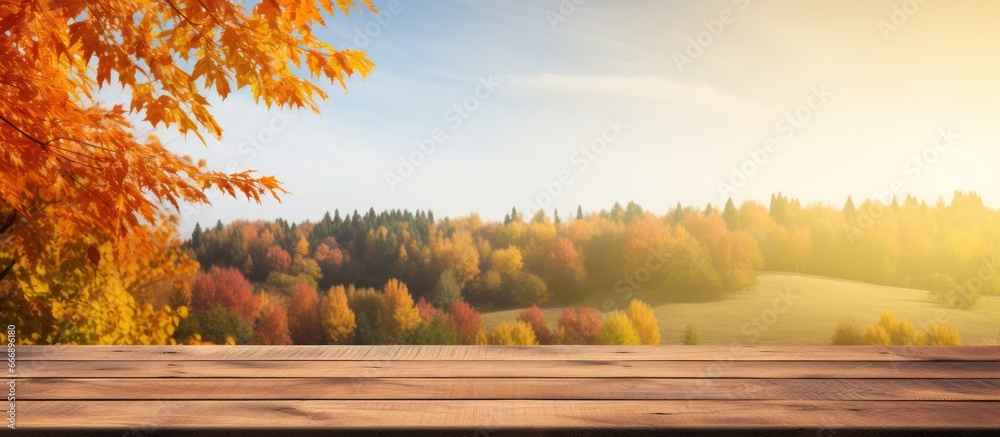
817	304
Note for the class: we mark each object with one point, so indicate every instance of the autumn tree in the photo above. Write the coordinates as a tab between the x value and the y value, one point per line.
578	327
467	320
75	168
140	298
644	322
272	325
366	303
533	316
617	330
398	316
438	330
939	334
890	330
513	334
226	288
216	325
426	310
336	316
303	315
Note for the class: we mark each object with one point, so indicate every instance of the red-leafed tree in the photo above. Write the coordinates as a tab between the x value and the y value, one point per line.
272	326
467	320
564	266
278	260
578	328
426	310
225	288
303	315
534	317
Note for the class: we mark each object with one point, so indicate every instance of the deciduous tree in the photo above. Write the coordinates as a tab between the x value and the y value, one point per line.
467	320
618	329
534	317
398	316
644	322
336	316
513	334
303	315
226	288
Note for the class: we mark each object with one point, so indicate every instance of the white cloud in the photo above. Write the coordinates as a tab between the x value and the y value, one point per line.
638	88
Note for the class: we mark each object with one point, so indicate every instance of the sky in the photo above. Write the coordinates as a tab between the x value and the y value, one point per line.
479	106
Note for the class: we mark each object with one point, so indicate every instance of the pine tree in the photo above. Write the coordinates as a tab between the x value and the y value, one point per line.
579	212
731	216
196	236
850	211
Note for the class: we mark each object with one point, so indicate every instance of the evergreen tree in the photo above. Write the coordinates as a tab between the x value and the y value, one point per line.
579	212
447	290
731	216
850	211
196	236
678	213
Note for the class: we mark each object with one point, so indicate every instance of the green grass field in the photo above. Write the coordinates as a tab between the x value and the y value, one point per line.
792	309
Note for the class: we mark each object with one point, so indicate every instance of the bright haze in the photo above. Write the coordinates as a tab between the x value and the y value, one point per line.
478	106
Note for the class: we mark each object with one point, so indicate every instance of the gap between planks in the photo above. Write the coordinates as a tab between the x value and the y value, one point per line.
496	353
510	389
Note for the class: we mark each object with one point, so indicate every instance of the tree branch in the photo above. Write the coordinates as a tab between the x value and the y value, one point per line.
7	270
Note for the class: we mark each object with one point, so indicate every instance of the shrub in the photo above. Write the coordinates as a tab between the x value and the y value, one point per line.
534	317
644	322
618	329
848	333
690	336
938	334
217	325
513	334
578	327
946	291
440	330
891	331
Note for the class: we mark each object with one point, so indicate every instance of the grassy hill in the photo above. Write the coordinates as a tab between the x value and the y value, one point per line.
814	307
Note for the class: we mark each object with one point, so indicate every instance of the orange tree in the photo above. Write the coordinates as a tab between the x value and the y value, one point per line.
72	170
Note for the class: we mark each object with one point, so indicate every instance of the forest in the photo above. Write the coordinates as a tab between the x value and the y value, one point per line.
402	277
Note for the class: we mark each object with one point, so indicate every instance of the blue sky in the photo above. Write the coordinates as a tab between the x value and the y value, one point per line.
589	106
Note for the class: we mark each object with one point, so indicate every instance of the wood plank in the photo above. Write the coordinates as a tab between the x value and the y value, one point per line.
507	369
495	353
395	414
510	388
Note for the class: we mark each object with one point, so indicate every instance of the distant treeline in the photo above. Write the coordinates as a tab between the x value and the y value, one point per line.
687	253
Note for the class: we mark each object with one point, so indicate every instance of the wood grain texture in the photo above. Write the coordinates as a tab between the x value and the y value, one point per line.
512	389
494	391
508	369
494	414
497	353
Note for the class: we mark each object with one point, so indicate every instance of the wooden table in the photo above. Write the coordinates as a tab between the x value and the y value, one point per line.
494	390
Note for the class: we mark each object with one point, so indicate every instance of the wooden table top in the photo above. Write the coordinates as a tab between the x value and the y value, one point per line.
506	390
